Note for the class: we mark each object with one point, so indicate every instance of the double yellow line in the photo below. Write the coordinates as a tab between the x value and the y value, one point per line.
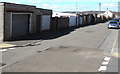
116	55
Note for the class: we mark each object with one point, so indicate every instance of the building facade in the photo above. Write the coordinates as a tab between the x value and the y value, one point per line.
19	20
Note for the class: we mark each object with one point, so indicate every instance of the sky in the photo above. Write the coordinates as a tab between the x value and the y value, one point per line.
70	5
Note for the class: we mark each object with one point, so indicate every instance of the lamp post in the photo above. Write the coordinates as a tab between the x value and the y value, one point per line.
99	8
76	7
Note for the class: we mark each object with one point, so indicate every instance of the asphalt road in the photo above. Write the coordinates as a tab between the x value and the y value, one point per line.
80	50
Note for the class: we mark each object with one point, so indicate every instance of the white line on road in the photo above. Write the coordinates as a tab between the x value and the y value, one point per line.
107	59
114	44
12	48
102	68
3	50
105	63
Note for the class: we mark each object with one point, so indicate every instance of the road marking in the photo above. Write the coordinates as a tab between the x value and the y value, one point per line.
114	44
107	59
6	45
105	63
116	55
3	50
102	68
12	48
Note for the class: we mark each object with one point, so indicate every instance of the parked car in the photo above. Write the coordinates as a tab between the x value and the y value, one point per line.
118	20
115	20
113	24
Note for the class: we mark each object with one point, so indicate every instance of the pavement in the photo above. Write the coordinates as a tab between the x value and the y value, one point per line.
35	38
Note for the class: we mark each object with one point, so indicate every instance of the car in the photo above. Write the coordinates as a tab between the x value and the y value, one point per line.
113	24
117	19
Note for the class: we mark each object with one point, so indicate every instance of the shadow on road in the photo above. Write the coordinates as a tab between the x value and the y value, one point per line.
46	35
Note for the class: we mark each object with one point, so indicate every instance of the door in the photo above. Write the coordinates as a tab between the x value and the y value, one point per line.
72	21
20	24
45	22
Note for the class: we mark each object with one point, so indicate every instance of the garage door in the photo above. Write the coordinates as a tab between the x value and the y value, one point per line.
20	25
72	21
45	22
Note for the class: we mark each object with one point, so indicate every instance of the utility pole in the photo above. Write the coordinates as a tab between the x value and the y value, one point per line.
99	8
76	8
76	14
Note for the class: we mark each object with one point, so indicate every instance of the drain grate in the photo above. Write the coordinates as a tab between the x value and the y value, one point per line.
2	64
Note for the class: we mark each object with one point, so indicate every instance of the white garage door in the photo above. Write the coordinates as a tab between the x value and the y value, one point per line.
80	20
20	24
45	22
72	21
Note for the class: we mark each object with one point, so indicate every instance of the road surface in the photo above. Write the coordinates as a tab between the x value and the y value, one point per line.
77	50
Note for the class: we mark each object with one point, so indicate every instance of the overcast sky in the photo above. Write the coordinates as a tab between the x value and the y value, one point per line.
70	5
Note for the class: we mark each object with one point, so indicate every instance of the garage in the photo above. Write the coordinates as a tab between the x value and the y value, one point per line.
72	21
45	22
20	24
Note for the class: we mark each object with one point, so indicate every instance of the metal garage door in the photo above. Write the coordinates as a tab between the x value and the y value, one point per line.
80	20
72	21
45	22
20	25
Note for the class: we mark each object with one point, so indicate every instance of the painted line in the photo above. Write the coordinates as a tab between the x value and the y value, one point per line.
105	63
12	48
116	55
107	59
102	68
114	44
6	45
3	50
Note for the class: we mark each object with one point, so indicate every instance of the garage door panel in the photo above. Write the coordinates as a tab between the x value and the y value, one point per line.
20	24
72	21
45	22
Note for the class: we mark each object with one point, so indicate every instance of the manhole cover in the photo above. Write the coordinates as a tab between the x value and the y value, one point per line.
2	64
89	31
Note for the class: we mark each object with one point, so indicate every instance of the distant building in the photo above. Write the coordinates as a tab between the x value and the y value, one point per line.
59	14
109	14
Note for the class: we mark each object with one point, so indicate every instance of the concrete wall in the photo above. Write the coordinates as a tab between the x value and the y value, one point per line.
54	23
7	25
60	22
1	21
